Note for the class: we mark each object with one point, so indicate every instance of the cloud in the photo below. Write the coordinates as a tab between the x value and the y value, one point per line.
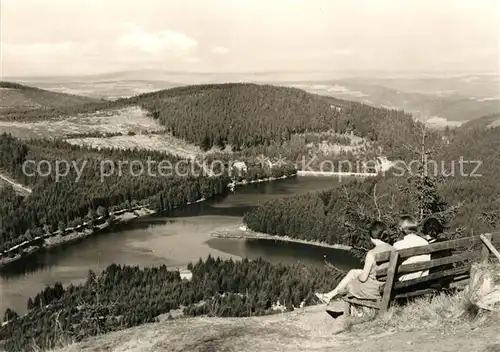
165	41
219	50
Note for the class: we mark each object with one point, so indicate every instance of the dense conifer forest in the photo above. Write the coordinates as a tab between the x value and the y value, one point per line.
124	296
56	204
254	121
339	215
102	184
248	115
25	103
243	115
478	145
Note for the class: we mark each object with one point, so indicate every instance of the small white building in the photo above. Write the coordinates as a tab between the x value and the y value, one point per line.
186	274
240	166
278	307
377	165
384	164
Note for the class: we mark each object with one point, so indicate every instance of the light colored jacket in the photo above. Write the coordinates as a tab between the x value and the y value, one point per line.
410	241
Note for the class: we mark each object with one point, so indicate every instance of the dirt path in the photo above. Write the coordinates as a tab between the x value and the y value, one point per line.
17	186
310	329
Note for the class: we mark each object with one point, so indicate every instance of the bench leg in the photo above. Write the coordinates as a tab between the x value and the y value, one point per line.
347	309
367	310
356	310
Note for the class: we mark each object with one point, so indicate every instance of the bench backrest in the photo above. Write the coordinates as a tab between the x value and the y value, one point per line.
464	252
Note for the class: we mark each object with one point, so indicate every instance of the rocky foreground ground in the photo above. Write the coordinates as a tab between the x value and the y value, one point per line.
308	329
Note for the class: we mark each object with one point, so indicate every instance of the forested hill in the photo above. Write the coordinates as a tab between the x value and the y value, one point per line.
479	138
123	296
484	122
477	143
467	172
18	97
57	204
240	114
246	115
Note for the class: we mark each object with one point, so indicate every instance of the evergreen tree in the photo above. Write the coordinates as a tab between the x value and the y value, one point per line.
422	184
10	315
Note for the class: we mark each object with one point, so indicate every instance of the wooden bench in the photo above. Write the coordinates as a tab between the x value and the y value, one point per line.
465	251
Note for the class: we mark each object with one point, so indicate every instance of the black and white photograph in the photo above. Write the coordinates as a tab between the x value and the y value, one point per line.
250	175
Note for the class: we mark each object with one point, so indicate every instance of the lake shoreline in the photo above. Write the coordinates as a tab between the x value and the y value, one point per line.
56	239
234	184
245	233
120	217
173	238
339	174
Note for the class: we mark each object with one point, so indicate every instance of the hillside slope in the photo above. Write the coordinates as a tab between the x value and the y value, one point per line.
18	96
452	107
477	143
19	188
440	101
469	166
308	329
488	121
239	114
242	115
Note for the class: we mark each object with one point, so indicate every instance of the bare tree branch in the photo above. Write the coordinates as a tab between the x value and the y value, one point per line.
375	202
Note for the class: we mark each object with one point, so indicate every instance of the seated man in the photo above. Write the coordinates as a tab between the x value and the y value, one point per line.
362	284
409	228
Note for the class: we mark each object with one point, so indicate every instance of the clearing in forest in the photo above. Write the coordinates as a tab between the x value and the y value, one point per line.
129	119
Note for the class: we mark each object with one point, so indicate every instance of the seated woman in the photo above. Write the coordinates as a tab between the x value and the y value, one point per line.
409	228
358	283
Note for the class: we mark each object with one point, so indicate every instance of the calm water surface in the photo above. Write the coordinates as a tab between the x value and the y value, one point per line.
175	241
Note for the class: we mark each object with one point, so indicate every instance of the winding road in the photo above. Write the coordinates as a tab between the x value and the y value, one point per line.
17	186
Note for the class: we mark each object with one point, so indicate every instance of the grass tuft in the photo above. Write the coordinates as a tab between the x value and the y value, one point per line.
493	348
442	309
450	310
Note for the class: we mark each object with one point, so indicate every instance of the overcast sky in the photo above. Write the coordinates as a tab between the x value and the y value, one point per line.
64	37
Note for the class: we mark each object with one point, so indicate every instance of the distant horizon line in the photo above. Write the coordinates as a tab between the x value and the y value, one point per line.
386	73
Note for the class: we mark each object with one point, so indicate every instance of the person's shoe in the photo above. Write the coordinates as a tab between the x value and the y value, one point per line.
322	297
334	314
